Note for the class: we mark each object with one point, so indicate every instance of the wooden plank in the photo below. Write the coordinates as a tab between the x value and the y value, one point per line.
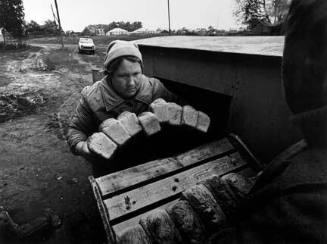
132	176
205	151
111	237
120	227
242	147
141	197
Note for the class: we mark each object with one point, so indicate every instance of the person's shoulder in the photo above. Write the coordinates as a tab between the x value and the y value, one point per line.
306	168
92	95
91	90
154	81
150	81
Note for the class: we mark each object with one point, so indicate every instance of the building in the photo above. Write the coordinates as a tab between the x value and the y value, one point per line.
143	30
99	32
117	31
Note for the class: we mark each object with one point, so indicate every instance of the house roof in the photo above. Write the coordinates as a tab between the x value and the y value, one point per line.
117	30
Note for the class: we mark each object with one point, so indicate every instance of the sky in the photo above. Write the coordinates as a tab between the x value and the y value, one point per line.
192	14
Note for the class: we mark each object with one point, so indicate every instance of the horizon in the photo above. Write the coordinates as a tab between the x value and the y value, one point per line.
152	13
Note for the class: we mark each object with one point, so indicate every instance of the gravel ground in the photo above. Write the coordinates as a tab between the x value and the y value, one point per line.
39	88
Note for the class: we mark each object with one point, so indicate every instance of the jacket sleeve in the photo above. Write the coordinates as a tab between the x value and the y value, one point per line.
297	215
82	123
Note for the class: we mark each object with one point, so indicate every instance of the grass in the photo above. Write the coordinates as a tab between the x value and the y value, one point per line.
60	58
16	46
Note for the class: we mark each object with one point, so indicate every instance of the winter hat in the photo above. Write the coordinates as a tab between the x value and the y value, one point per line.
119	48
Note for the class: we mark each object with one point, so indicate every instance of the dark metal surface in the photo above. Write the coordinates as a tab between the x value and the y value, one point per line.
258	112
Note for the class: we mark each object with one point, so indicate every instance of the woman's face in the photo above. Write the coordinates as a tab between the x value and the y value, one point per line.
126	79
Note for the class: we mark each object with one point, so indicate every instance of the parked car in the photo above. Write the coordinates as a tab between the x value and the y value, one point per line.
86	45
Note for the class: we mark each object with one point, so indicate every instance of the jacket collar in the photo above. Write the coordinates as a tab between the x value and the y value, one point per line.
111	99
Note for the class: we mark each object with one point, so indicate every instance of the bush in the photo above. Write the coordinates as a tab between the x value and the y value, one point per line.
13	46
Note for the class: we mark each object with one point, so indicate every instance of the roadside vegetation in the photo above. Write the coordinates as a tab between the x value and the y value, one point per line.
98	40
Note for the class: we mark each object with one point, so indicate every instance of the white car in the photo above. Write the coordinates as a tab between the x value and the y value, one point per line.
86	45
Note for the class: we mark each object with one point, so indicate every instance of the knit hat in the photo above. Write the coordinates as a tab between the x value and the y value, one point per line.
119	48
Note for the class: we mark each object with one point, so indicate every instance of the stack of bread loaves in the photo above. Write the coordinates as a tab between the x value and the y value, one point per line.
174	114
201	210
114	133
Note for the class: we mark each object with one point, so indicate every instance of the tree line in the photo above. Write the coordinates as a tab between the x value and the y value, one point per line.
129	26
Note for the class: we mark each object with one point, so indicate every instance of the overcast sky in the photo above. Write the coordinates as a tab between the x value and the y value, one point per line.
76	14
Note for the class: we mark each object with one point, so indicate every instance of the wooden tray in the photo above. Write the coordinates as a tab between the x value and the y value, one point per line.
125	196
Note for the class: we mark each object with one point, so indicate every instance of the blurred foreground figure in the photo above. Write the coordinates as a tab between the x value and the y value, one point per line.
288	203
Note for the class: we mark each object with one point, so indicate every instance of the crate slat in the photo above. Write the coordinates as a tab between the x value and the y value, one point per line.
131	201
130	177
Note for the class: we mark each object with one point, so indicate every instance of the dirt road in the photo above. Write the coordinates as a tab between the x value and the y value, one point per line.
39	88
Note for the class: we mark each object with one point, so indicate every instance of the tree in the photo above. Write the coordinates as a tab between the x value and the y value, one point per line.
86	32
12	17
252	12
211	31
125	25
50	27
32	28
129	26
277	10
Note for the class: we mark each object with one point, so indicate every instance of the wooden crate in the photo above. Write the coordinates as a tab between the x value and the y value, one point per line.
124	197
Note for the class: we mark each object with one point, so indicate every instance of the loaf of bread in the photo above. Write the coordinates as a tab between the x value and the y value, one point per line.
222	194
130	122
160	227
101	144
115	130
160	108
149	123
203	122
187	222
205	206
174	114
189	116
134	235
239	184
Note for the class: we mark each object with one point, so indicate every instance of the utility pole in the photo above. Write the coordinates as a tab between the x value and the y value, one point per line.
54	16
58	17
169	18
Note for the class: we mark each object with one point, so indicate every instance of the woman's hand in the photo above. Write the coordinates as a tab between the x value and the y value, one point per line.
82	149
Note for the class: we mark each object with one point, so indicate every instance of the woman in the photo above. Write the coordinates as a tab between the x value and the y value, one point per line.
124	88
